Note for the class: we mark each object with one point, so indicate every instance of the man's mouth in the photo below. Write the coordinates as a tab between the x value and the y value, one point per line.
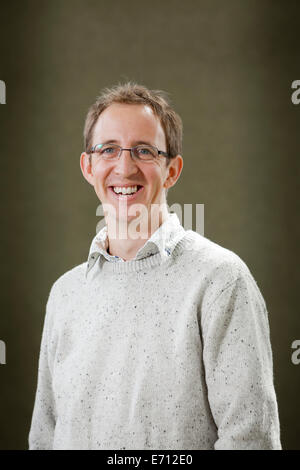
129	192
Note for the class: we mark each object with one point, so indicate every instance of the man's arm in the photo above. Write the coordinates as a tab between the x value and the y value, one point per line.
238	364
44	417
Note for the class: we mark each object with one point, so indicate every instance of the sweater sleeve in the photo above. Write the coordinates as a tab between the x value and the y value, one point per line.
44	415
238	363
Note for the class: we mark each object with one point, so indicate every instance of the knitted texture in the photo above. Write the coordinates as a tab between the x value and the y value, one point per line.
170	350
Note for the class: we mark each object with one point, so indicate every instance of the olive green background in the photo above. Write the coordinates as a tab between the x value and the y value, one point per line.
228	68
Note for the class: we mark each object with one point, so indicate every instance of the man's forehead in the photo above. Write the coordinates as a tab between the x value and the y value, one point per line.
136	121
119	112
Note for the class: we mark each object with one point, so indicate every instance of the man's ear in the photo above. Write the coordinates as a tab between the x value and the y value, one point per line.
174	169
86	167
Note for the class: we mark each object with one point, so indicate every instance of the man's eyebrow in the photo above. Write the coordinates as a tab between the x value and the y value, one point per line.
135	142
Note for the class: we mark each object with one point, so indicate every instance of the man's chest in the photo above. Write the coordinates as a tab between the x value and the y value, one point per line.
109	336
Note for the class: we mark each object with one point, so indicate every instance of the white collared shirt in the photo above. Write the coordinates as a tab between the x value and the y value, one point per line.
161	241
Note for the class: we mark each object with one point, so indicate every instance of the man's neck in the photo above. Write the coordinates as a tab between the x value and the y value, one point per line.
127	248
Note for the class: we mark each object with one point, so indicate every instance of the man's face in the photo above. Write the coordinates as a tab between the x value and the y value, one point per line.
128	125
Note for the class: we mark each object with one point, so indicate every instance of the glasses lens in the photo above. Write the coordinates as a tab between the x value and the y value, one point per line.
107	151
145	152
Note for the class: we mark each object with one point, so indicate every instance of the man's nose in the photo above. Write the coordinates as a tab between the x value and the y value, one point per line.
125	164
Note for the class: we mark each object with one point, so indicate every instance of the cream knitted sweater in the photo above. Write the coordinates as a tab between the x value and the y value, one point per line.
170	350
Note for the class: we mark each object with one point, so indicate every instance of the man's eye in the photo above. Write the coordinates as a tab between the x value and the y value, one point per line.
108	150
144	151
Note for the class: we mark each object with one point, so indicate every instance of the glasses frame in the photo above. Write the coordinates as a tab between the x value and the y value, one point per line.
160	152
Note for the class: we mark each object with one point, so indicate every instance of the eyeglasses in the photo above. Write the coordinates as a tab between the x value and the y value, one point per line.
112	152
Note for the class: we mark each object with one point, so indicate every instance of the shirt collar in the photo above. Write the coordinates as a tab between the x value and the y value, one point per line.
162	241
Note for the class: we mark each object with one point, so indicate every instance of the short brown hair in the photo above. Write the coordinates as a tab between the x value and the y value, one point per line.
133	93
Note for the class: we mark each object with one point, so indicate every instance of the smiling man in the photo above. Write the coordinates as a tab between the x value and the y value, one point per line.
122	180
160	340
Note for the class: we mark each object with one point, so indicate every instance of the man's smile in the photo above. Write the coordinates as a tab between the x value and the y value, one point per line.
123	192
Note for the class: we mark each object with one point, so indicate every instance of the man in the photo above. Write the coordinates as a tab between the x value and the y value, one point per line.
157	341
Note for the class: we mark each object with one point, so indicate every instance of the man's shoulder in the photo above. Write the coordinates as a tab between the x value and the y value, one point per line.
216	268
70	281
215	260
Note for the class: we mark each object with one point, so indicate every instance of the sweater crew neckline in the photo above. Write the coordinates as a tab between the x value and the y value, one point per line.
166	241
178	244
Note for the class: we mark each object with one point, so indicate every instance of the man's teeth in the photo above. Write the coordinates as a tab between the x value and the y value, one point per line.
130	190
